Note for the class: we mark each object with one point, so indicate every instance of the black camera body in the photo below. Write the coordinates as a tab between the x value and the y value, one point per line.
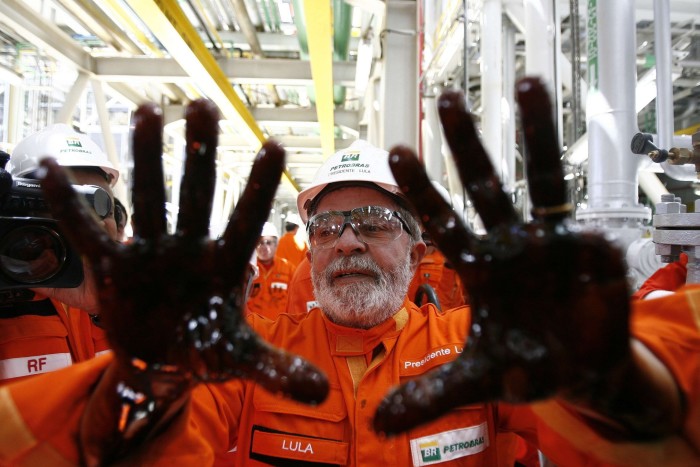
33	252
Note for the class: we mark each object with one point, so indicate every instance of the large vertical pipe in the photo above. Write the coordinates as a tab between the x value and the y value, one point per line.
492	80
399	84
610	113
542	49
664	87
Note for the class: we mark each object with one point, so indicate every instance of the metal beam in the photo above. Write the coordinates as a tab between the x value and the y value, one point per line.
348	118
44	35
240	71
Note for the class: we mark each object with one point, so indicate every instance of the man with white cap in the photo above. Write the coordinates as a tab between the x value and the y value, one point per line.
290	246
558	336
45	333
268	296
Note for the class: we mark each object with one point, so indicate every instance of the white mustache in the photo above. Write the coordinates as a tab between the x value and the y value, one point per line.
349	263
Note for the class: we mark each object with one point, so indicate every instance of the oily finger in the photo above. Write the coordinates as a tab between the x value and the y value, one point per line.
443	224
252	210
543	163
475	168
199	180
148	194
461	382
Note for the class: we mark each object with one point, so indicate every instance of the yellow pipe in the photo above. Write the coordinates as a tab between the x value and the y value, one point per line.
116	9
689	131
319	30
170	25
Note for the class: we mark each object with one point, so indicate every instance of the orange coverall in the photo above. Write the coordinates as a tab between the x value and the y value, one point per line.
289	249
301	290
444	280
269	293
670	277
45	335
241	421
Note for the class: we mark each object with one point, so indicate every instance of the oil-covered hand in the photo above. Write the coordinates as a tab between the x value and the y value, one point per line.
549	303
172	304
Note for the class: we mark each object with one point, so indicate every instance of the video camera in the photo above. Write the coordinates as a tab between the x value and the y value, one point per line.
33	253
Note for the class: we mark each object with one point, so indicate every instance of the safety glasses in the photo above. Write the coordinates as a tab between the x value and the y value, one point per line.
371	224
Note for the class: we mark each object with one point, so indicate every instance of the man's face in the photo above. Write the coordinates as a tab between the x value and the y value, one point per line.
83	177
267	246
358	284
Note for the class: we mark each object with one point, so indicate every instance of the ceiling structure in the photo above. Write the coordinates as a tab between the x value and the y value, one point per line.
259	60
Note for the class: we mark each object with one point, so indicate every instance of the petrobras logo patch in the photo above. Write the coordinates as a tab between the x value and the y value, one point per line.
350	157
73	143
430	451
449	445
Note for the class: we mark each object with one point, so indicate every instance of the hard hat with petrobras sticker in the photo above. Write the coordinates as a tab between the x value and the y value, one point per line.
361	162
68	147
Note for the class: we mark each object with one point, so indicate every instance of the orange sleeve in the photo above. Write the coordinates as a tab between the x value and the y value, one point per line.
670	277
669	327
41	415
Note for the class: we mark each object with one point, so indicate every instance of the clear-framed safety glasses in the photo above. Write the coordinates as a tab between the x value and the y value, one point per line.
371	224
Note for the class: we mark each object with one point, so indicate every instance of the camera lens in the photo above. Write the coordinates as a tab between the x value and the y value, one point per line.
31	254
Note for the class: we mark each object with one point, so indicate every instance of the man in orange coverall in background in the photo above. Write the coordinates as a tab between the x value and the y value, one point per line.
38	332
552	359
290	246
270	290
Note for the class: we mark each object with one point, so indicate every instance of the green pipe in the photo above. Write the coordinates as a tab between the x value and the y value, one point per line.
266	14
300	23
274	15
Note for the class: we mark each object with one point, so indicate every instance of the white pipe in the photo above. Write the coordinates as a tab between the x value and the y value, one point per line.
542	49
14	108
492	80
119	189
651	185
71	99
664	87
509	108
610	113
432	138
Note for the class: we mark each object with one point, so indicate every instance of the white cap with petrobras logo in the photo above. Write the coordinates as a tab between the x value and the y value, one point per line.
68	147
361	162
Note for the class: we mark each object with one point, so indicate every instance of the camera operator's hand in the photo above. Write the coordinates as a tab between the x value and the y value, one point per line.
83	297
172	305
549	303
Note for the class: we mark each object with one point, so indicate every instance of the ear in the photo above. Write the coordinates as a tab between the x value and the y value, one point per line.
417	253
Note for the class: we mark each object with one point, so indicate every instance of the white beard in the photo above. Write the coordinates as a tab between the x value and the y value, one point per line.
361	304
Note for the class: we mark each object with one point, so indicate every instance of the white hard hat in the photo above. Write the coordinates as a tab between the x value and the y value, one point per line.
293	218
68	147
269	230
360	162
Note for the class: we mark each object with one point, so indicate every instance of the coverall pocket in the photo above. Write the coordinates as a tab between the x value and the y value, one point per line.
462	437
289	433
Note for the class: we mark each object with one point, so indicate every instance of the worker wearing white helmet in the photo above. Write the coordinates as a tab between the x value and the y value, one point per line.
269	292
88	163
68	147
292	246
47	333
